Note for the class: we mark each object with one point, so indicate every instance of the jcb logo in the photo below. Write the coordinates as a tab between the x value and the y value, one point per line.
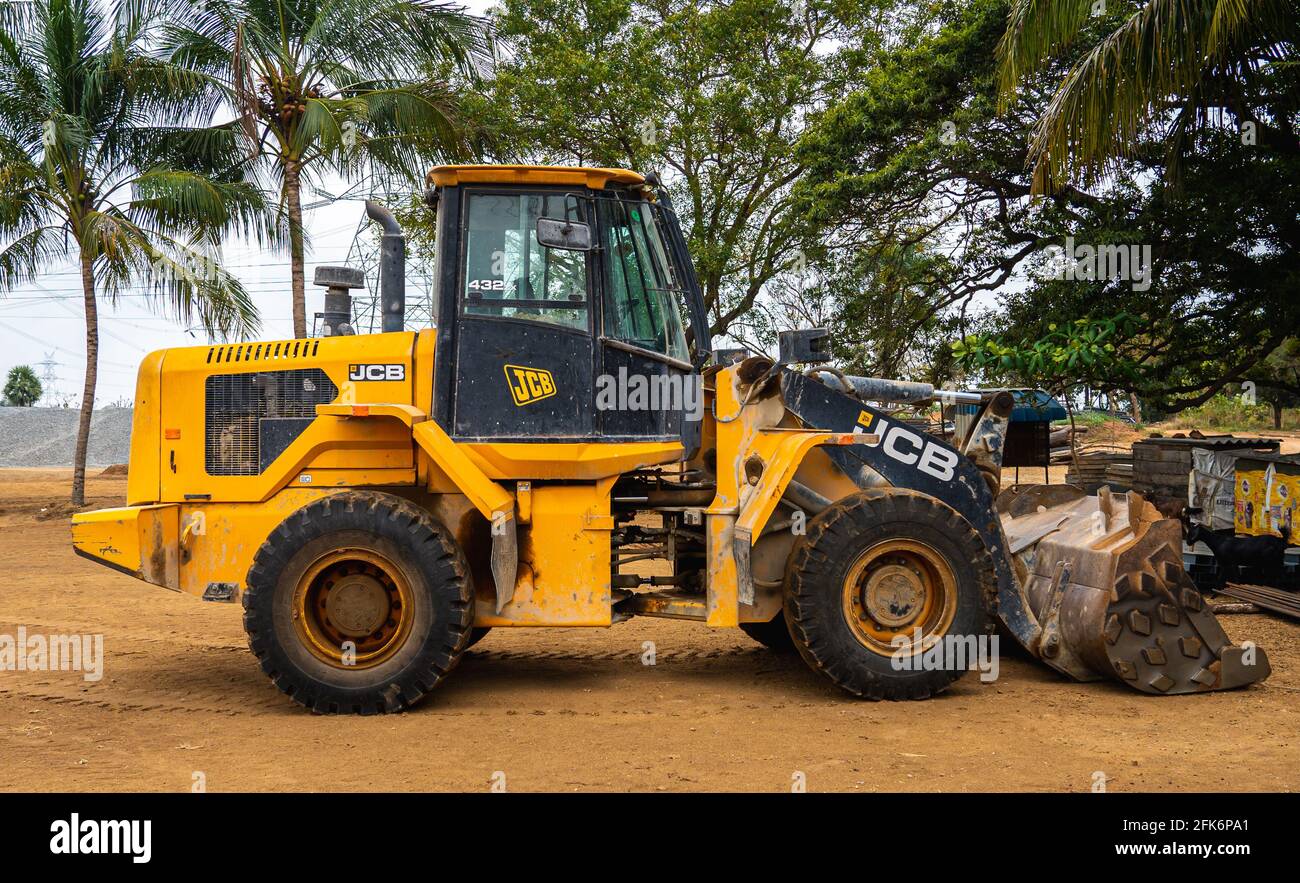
528	385
376	372
911	448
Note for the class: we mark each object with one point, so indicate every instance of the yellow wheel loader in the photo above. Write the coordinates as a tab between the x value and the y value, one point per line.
563	449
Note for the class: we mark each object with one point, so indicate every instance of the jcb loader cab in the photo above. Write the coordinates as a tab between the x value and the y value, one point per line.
563	449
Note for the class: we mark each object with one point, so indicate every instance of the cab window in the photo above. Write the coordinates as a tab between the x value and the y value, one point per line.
641	293
508	274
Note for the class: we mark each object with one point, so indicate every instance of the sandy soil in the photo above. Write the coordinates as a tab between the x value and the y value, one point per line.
575	710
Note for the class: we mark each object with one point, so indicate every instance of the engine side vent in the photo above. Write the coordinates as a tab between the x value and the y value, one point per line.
236	406
276	349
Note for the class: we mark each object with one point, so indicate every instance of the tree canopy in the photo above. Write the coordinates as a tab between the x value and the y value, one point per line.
713	97
933	156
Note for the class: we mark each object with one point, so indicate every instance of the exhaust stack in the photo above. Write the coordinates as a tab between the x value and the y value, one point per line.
392	267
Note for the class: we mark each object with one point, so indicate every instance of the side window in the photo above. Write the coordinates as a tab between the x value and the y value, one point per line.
508	274
641	300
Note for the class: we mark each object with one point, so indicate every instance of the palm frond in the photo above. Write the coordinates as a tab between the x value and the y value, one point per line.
408	126
1158	58
1036	30
28	256
174	200
397	38
190	284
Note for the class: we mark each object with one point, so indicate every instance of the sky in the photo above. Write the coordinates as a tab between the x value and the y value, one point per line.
44	322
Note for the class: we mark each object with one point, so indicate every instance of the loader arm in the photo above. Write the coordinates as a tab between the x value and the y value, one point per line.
1093	586
906	458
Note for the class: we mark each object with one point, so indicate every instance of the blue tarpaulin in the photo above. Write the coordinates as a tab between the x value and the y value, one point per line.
1035	404
1032	405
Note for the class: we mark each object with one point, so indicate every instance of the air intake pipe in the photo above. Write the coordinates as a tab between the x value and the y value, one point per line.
338	283
392	267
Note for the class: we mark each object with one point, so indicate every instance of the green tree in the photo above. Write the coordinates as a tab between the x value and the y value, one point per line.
713	97
100	159
1197	61
1068	356
23	387
921	182
1278	378
334	86
921	161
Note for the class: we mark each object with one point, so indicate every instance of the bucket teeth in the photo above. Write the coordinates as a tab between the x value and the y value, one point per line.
1161	683
1114	628
1125	609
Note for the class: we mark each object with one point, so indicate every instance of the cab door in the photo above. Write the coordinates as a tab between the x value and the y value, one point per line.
643	341
524	352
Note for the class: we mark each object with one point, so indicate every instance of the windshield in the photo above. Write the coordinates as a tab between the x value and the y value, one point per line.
644	301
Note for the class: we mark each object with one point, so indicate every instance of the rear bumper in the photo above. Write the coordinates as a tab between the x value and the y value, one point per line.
143	541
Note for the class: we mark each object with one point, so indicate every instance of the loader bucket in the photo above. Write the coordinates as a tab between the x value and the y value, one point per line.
1103	576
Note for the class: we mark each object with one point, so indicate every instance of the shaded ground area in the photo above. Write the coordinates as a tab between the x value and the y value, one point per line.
575	710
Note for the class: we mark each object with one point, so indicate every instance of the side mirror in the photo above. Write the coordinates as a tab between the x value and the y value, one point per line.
569	235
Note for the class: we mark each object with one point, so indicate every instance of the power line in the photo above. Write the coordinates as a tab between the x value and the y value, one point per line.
120	366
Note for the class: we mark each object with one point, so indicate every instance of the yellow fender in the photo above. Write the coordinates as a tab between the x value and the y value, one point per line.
495	503
756	463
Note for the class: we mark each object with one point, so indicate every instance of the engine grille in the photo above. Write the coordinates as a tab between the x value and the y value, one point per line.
236	404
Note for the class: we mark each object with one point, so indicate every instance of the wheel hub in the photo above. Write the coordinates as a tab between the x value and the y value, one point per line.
357	604
352	608
895	589
894	595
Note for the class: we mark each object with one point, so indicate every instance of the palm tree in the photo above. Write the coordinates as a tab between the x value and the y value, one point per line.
22	387
342	86
100	158
1186	59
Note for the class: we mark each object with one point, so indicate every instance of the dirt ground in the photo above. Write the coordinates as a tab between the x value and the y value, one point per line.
575	709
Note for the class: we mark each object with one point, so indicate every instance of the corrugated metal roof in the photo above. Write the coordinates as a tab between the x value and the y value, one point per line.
1216	442
1288	459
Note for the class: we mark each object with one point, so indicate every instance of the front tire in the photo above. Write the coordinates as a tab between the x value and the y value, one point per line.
872	569
359	602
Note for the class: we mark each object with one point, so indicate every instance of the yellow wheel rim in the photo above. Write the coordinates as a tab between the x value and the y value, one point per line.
893	589
352	609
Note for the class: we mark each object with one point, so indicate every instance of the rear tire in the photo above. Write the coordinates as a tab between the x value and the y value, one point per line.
773	634
875	566
359	602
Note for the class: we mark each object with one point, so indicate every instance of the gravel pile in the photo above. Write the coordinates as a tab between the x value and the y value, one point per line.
48	436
